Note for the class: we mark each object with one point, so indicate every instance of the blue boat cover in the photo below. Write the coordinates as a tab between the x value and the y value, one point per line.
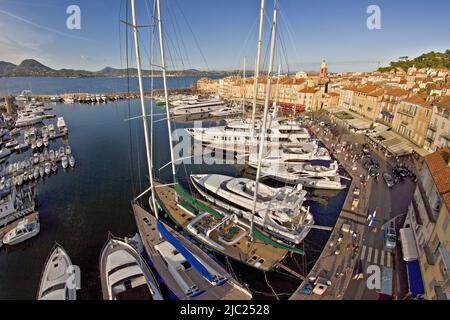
185	253
415	278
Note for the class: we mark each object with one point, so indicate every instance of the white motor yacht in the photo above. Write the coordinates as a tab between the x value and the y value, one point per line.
279	211
59	280
22	232
125	275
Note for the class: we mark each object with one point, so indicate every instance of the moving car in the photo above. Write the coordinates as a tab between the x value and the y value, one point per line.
390	237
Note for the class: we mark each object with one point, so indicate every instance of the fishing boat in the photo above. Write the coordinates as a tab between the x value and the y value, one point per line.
61	151
125	275
64	162
59	279
69	100
51	130
68	150
23	231
279	211
72	161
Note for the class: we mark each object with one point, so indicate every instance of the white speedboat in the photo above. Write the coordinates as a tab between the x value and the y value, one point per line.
47	168
68	150
279	211
125	275
51	130
59	279
64	162
22	232
45	141
72	161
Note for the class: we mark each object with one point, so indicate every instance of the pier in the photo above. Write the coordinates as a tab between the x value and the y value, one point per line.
340	254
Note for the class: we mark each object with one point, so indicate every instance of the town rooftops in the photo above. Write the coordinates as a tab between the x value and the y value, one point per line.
308	90
444	102
367	89
397	92
418	100
439	165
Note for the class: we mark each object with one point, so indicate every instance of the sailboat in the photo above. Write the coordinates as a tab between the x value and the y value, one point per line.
188	271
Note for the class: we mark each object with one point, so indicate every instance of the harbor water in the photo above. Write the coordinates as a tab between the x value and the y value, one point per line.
79	207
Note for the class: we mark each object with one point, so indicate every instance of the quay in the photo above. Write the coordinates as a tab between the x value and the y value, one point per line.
340	254
85	97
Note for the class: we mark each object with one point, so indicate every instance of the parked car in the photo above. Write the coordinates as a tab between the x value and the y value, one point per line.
388	179
390	237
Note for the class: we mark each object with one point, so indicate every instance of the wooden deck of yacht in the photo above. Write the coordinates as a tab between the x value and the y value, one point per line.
31	218
146	223
253	253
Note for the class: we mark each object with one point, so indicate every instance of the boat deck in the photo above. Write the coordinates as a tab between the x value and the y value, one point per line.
31	218
256	254
150	236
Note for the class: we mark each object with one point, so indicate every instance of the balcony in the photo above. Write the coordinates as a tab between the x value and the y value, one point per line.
432	127
446	136
407	113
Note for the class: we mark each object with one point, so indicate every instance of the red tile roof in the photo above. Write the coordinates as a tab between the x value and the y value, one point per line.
439	165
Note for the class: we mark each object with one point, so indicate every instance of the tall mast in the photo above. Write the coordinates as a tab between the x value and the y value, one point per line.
262	135
144	116
244	87
166	92
258	62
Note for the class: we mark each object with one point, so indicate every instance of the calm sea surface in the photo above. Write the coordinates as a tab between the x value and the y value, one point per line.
79	207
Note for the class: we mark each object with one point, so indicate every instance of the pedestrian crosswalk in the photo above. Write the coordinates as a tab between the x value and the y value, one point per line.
376	256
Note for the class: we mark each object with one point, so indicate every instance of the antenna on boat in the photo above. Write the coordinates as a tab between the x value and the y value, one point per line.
257	67
262	136
144	117
166	93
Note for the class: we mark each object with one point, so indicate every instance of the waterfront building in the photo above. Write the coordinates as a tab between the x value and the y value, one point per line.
438	135
427	223
412	118
366	101
389	103
308	98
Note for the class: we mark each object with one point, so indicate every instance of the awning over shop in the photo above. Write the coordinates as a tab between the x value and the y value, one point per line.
415	281
409	249
359	124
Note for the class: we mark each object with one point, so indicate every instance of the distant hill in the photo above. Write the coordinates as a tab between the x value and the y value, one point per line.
33	68
6	66
438	60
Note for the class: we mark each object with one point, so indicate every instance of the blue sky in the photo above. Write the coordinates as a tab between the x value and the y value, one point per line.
213	34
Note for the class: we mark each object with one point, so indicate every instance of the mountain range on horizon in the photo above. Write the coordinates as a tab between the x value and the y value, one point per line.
33	68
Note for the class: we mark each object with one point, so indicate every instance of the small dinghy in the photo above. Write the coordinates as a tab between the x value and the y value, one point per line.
125	275
22	232
59	280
